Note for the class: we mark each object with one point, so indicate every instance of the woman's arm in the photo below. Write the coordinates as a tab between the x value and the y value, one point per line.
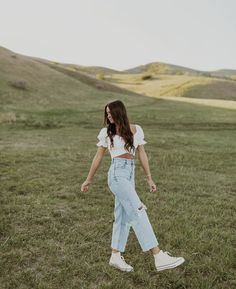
94	166
145	165
144	160
96	163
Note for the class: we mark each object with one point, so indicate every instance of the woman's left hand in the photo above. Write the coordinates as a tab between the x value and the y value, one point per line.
152	185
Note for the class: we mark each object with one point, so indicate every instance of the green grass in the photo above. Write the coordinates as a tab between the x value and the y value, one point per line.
52	235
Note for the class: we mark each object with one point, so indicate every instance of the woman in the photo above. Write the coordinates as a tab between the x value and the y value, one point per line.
122	140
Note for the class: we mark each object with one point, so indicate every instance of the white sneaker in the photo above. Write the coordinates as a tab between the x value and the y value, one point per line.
118	261
164	261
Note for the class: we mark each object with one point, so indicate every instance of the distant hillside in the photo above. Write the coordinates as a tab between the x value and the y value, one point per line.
89	70
162	68
216	89
197	86
93	70
224	72
34	83
87	78
28	83
157	68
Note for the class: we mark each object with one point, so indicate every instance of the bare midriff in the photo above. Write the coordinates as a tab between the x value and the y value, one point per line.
126	156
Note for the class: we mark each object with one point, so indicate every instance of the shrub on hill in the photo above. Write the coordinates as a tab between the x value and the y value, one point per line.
19	84
146	77
100	76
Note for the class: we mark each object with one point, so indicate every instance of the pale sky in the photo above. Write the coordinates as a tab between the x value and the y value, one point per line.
122	34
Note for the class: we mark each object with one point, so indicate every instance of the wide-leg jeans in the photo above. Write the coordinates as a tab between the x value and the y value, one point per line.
129	211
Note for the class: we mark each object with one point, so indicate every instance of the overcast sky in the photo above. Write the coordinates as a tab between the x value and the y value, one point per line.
121	34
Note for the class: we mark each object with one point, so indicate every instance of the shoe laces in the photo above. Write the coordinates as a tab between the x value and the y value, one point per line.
170	255
123	259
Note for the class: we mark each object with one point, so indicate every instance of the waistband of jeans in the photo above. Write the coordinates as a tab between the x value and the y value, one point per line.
124	160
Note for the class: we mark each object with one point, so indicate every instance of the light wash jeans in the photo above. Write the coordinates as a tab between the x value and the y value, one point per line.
129	210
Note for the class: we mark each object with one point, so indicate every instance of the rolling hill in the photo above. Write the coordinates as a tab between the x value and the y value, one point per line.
162	68
29	83
191	86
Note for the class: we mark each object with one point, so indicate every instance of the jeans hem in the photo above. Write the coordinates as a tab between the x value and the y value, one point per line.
147	248
120	250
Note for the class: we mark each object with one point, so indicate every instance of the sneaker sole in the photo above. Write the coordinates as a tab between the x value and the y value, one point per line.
122	269
170	266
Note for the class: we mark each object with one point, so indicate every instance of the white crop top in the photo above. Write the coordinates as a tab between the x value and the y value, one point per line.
118	141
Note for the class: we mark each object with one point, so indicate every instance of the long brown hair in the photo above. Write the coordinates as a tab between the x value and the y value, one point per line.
120	117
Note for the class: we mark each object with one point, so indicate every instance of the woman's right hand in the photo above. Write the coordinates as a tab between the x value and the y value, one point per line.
85	186
152	185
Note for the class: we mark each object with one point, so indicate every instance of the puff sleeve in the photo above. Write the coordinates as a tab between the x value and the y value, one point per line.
140	135
102	138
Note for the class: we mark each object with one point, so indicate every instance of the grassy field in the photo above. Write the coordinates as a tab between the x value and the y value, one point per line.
55	236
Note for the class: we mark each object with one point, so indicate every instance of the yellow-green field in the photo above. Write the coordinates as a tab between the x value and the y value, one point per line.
177	85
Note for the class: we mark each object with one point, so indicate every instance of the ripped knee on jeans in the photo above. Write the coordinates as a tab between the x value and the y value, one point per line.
142	206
